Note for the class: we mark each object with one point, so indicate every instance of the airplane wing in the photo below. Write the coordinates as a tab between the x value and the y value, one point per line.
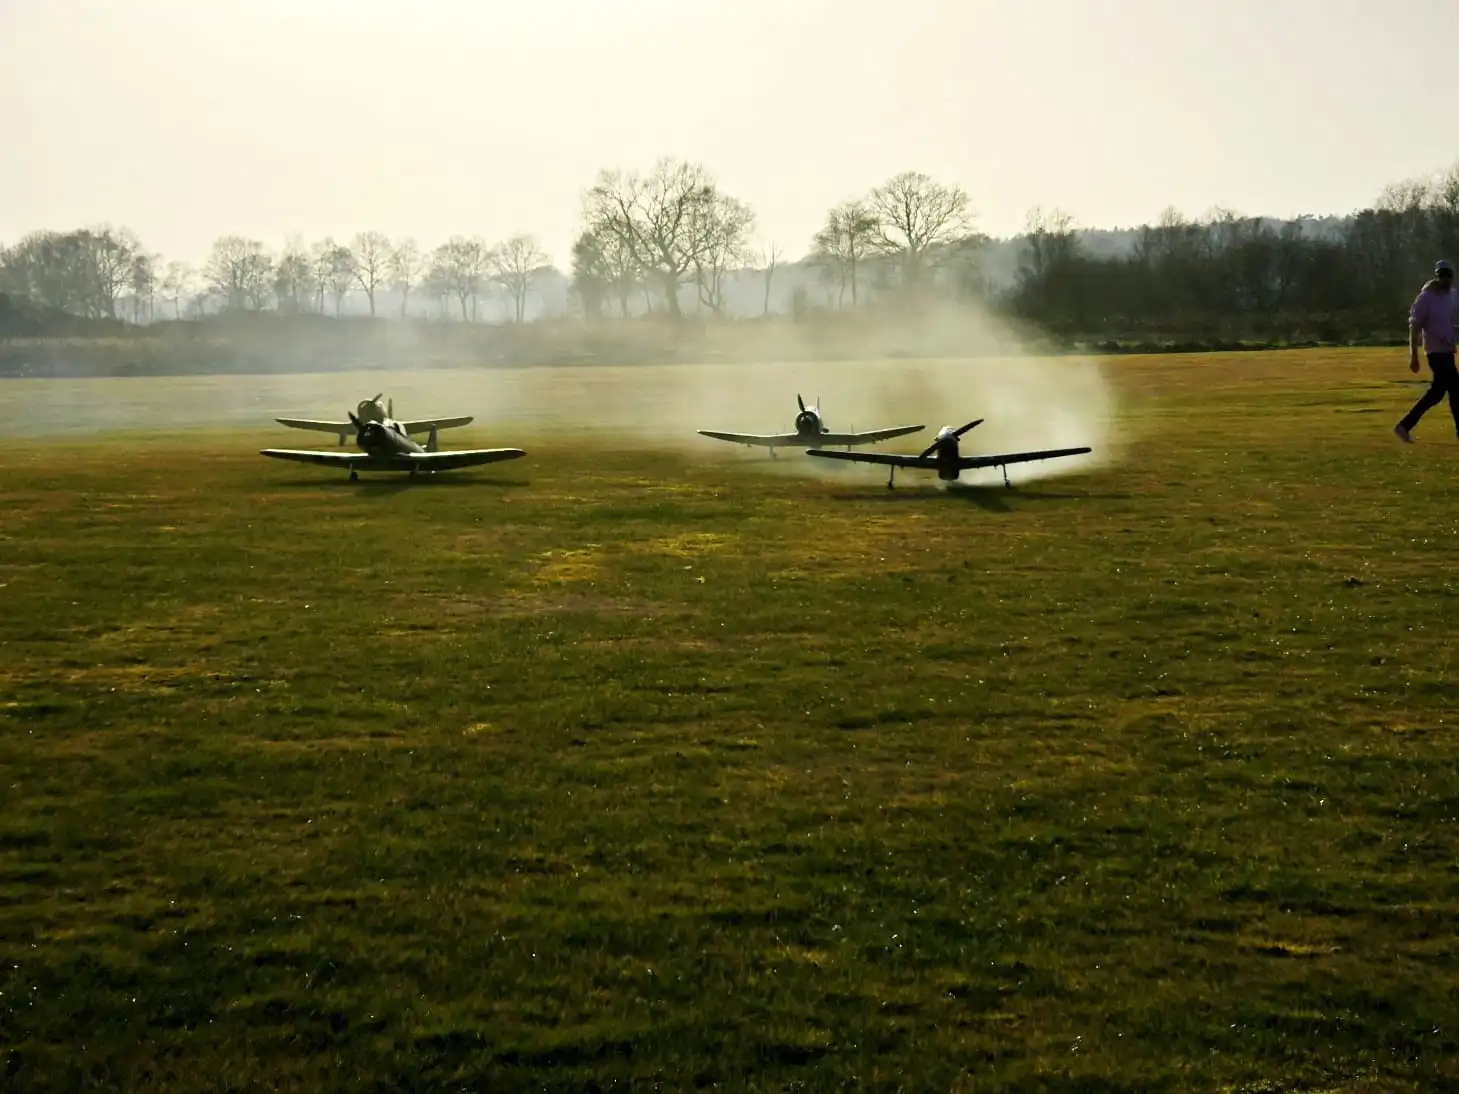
781	440
322	427
424	424
965	463
871	436
969	462
333	459
892	459
405	461
466	457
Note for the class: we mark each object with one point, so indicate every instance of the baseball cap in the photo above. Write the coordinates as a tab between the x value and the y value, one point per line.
1444	266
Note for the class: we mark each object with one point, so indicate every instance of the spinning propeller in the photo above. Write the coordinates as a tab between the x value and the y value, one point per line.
807	420
371	430
947	433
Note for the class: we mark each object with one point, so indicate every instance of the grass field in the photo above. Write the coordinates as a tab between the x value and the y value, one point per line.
624	768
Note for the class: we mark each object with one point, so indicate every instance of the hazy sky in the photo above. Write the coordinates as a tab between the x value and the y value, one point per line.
188	119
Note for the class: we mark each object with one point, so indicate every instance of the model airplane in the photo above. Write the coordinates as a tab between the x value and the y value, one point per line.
372	410
386	446
811	430
942	456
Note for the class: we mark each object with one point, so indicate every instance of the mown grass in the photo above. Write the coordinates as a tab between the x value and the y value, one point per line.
620	769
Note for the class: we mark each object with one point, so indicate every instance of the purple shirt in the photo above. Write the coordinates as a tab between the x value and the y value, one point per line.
1436	313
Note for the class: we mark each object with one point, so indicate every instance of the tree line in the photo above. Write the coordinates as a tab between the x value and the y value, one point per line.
106	273
670	240
1234	276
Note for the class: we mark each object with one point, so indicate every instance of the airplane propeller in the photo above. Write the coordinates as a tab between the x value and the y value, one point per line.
947	433
365	429
808	419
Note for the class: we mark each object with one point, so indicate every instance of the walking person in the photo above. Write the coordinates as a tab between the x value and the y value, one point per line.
1433	318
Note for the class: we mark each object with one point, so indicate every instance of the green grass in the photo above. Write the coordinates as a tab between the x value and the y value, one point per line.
620	769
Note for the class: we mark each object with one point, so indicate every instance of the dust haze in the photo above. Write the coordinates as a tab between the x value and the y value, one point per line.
945	366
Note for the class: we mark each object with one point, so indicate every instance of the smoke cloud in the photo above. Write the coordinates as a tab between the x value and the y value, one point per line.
940	368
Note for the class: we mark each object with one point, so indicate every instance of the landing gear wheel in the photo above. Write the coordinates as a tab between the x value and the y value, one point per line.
1005	479
354	475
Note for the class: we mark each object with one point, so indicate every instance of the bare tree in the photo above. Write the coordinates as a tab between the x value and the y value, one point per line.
177	283
514	265
143	283
240	271
83	272
916	217
602	265
720	226
407	266
658	219
321	258
590	277
294	280
459	265
843	243
50	269
769	259
334	271
370	267
436	285
330	272
1443	211
1050	241
110	253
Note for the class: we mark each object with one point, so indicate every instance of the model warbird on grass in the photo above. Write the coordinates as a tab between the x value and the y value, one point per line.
386	446
811	430
942	456
372	410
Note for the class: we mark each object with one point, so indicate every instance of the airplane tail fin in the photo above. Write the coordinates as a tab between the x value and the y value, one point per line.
431	442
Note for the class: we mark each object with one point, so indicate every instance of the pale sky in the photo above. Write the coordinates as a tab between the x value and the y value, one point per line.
190	119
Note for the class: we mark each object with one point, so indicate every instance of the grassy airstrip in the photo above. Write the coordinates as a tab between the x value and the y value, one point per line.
622	769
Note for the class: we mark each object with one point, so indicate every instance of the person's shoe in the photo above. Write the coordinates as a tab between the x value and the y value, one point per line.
1402	434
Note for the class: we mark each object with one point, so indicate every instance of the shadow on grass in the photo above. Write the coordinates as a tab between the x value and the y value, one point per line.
994	499
402	482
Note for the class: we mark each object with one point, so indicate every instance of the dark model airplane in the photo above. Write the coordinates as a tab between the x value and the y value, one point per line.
372	410
386	446
811	430
942	456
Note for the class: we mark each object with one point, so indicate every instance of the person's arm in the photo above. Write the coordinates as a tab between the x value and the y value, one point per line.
1418	315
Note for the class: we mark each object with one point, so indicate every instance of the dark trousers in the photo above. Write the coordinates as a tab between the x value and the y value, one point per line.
1446	382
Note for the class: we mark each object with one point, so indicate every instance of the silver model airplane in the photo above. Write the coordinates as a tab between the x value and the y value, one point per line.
372	410
811	430
386	446
942	456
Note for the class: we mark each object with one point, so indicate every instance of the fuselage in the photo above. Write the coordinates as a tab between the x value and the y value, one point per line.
373	410
946	454
385	438
808	424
